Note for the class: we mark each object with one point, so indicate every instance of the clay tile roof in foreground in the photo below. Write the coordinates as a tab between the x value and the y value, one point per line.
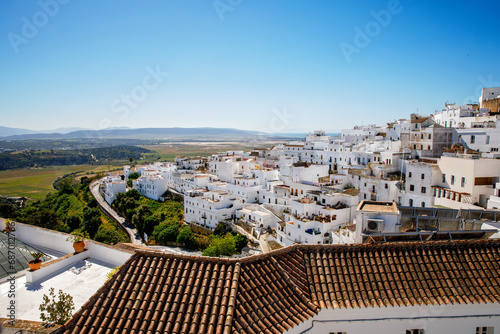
154	292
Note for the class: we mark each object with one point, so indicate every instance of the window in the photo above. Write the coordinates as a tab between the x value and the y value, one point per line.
472	139
422	176
414	331
463	182
423	204
422	190
386	186
409	174
453	179
412	187
444	178
430	136
484	330
411	202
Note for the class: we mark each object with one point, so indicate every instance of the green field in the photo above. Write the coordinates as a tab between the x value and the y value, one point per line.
168	152
36	183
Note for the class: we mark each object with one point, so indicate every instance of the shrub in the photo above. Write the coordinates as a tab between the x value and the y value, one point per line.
240	242
221	246
109	235
170	233
56	312
112	272
186	237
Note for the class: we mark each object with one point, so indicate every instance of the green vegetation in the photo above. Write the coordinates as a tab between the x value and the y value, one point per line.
72	209
28	159
38	182
56	312
145	214
131	177
112	272
226	245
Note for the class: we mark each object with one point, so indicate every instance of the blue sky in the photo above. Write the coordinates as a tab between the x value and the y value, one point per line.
264	65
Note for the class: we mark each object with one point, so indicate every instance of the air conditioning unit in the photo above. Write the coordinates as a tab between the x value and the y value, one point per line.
374	225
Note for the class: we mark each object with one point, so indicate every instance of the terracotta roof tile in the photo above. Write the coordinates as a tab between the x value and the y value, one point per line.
155	292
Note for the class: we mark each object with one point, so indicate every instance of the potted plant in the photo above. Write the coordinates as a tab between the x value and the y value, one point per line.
36	262
78	238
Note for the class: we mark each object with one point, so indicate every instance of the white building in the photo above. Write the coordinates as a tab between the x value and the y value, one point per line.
113	185
318	218
375	218
421	175
257	216
467	182
208	208
151	184
489	93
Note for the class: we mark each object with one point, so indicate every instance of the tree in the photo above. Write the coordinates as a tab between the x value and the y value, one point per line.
133	194
109	235
131	160
133	176
221	246
168	234
65	186
56	312
240	241
221	229
150	223
91	220
140	216
186	237
7	210
73	222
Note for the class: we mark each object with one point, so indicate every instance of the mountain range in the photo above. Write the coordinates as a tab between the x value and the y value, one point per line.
122	133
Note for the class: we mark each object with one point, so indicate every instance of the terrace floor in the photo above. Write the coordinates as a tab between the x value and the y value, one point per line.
81	280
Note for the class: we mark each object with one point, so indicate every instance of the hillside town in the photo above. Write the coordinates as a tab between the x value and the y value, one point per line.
389	227
409	178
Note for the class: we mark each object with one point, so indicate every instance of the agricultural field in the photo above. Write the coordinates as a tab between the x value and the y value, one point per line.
168	151
36	183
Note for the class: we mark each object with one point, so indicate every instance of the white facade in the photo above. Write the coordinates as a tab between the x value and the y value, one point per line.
420	176
207	208
488	94
438	319
317	219
376	217
466	181
257	216
112	186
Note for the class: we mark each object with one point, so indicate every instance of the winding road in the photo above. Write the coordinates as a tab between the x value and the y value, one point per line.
131	230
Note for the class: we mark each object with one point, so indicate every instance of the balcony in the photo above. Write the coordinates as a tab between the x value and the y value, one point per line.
312	231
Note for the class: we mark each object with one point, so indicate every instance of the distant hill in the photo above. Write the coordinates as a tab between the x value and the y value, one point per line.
145	133
7	132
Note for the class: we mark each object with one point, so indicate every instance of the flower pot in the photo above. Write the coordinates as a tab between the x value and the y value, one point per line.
34	264
79	246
